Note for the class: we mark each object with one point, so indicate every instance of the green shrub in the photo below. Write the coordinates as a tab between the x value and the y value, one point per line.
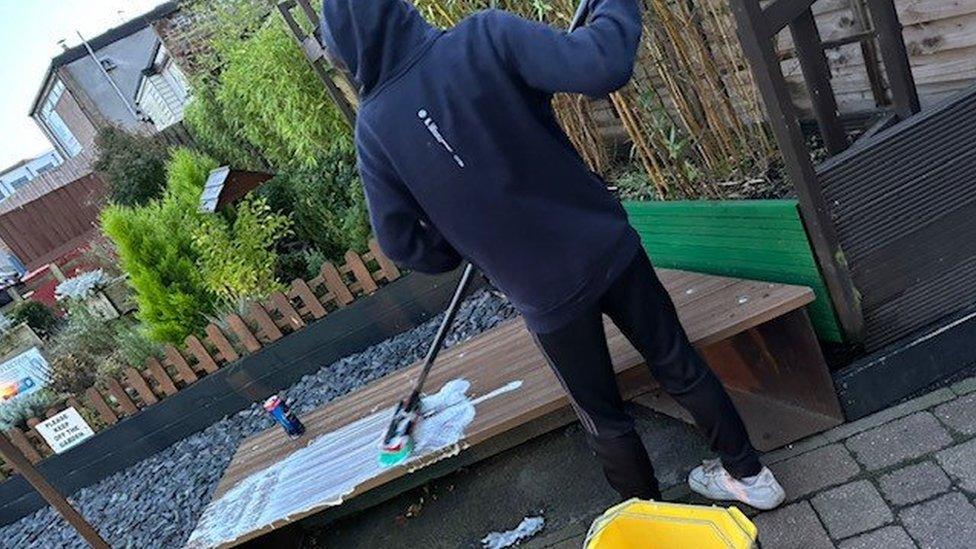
265	99
237	255
37	315
133	348
132	166
16	412
155	247
326	204
80	351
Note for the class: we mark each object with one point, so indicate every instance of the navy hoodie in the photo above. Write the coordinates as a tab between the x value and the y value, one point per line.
461	155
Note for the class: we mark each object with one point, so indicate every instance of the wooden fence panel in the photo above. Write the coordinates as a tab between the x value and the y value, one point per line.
217	338
199	351
121	397
243	333
289	315
387	267
301	291
337	287
267	327
136	381
176	360
104	410
163	381
362	274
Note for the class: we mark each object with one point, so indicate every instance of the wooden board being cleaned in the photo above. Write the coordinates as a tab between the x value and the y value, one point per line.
505	383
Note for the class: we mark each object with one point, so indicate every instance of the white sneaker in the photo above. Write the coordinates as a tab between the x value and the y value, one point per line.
711	480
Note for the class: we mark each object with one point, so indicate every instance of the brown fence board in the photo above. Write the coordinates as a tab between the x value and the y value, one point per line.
288	313
337	287
217	338
243	333
175	359
361	272
116	390
20	440
387	267
301	291
204	360
104	410
269	330
162	378
136	381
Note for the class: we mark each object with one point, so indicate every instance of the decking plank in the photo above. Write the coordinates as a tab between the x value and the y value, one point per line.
711	308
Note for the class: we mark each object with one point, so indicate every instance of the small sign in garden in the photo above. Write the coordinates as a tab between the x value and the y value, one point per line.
65	430
23	374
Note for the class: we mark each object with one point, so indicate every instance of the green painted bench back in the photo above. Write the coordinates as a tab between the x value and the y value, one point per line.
753	239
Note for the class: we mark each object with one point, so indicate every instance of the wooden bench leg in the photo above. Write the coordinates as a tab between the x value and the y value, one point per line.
777	378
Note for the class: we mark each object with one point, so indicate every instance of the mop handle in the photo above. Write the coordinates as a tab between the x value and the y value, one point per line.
582	12
435	346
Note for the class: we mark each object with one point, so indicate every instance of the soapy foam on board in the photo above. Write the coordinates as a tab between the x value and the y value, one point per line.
334	464
529	527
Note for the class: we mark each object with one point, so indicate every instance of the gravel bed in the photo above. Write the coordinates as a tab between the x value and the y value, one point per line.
156	503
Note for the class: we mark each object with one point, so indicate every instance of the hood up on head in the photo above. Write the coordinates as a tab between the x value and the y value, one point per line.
374	39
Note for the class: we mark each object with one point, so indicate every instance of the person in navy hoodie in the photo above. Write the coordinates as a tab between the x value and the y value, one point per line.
461	157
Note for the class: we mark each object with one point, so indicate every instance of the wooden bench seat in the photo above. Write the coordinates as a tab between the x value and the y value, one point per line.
756	336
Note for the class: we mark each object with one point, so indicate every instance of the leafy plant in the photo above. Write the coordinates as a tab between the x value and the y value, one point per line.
83	347
237	256
265	98
133	166
326	204
16	412
133	348
155	247
37	315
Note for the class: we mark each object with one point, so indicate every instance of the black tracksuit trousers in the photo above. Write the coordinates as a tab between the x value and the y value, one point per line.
639	305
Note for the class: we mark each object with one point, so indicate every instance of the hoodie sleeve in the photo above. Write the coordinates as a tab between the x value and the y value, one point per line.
402	228
595	60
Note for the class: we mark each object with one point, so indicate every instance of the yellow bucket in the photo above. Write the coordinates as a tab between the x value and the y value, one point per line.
638	524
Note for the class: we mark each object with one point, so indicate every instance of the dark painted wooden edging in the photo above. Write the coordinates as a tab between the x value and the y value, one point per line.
398	307
905	368
752	239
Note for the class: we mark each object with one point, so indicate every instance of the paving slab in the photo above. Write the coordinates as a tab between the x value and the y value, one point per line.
851	509
947	522
793	527
917	404
815	470
889	537
914	483
964	387
903	439
960	462
960	414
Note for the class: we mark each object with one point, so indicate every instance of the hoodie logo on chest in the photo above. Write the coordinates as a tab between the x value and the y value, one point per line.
436	132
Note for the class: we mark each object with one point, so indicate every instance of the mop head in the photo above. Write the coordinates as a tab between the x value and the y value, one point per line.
397	443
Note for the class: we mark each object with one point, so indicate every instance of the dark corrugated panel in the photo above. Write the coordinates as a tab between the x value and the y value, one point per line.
904	206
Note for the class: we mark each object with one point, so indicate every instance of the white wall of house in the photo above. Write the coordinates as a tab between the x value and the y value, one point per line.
163	92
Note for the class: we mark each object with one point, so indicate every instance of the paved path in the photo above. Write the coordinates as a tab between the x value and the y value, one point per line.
905	477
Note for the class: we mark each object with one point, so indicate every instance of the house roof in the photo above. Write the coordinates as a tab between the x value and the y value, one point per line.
108	37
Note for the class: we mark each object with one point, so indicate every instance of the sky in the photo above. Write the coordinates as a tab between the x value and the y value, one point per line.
29	35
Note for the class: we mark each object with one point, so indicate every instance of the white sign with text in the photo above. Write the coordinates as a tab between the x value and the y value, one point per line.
65	430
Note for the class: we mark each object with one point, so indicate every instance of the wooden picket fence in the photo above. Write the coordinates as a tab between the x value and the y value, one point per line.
238	335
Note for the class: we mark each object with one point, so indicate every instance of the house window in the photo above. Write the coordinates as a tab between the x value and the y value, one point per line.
54	122
20	182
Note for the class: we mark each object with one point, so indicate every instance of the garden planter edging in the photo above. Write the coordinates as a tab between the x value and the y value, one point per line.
752	239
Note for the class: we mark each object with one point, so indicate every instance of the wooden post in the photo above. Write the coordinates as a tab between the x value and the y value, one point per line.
316	57
816	74
23	466
904	95
756	37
